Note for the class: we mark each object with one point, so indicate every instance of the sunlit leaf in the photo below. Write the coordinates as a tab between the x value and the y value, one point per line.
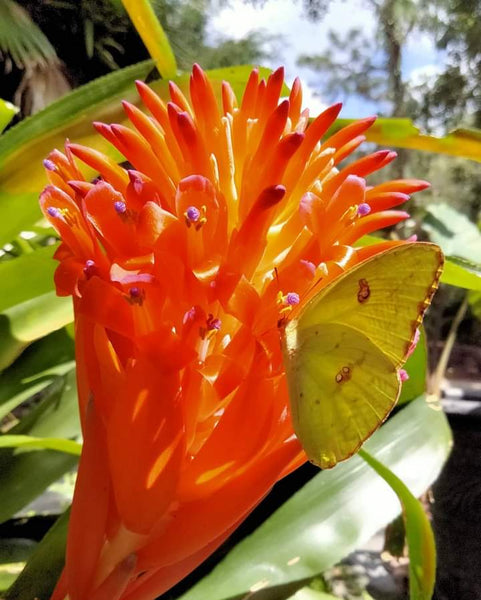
7	112
419	535
35	443
402	133
153	35
462	273
333	513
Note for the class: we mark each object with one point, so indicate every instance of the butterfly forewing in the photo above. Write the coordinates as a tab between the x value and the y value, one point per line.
384	297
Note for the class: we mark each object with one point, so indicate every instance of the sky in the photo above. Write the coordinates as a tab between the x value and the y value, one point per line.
301	36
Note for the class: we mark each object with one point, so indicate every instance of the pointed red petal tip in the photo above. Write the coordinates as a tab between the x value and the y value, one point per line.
419	184
100	127
271	196
80	187
197	72
278	74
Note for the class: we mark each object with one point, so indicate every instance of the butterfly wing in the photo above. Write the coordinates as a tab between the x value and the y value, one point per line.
345	347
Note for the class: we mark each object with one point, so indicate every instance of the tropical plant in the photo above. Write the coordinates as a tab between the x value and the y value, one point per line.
41	431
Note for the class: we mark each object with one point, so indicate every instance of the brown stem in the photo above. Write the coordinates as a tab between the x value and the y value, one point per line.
437	378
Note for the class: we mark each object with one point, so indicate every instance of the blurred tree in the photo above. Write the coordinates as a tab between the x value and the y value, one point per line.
455	96
93	37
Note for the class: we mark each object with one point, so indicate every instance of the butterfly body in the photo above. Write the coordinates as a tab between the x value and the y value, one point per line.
344	348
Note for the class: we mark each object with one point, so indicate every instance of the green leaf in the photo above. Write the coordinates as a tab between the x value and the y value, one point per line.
453	231
35	443
461	273
416	367
153	35
419	535
402	133
38	578
41	366
29	307
7	112
23	323
25	475
333	513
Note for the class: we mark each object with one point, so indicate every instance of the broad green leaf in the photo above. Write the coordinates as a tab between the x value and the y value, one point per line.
29	308
461	273
333	513
402	133
7	112
38	578
453	231
416	367
419	535
25	475
28	321
41	366
16	288
36	443
24	146
153	35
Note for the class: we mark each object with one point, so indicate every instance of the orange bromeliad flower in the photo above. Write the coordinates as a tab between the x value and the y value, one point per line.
180	270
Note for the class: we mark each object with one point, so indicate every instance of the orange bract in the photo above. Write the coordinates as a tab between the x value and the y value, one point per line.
180	270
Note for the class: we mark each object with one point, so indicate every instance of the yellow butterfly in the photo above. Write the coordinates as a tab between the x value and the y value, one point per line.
344	349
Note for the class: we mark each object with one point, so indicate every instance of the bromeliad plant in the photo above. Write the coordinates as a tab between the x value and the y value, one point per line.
182	266
175	268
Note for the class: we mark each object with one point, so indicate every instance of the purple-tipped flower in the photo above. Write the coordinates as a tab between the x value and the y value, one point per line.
363	209
120	207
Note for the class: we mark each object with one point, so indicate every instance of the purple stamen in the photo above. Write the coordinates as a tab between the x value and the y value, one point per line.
363	209
49	165
213	324
135	292
120	207
90	269
192	214
53	212
292	299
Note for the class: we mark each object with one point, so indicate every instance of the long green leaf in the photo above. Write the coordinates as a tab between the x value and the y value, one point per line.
419	535
7	112
36	443
43	569
41	366
153	35
402	133
332	514
461	274
25	475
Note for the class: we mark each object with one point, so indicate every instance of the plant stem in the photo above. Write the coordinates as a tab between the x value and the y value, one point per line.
448	347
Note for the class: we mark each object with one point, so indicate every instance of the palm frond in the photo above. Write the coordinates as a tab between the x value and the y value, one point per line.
21	41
